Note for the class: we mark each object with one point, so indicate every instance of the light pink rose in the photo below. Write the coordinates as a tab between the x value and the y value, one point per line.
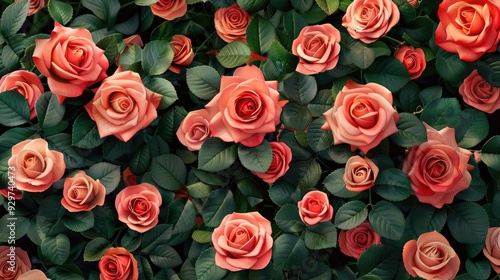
360	174
354	241
491	248
26	83
183	53
243	241
169	9
282	156
315	208
33	274
13	257
413	59
231	23
82	193
362	116
194	129
118	264
479	94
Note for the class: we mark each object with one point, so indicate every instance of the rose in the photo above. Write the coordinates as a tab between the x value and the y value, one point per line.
194	129
438	169
14	261
282	155
82	193
243	241
129	41
318	48
118	264
26	83
169	9
413	59
138	206
362	116
128	177
33	274
413	3
354	241
468	28
231	23
122	105
36	167
246	108
491	249
314	208
360	174
12	192
35	6
368	20
479	94
430	257
183	53
70	60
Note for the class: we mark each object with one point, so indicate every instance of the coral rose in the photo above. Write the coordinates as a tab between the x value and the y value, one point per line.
413	59
33	274
354	241
246	108
118	263
479	94
282	155
314	208
36	167
82	193
169	9
14	262
491	249
318	48
362	116
243	241
430	257
122	105
138	206
128	177
70	60
368	20
231	23
360	174
194	129
469	28
26	83
438	169
183	53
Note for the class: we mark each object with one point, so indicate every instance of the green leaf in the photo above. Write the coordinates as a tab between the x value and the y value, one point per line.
131	58
199	190
145	2
430	93
282	193
14	109
452	68
490	153
318	138
163	31
335	184
295	116
157	56
282	59
305	173
165	256
110	46
260	34
169	123
14	136
441	113
62	143
233	54
252	5
321	103
27	60
407	97
351	215
425	218
48	110
95	249
411	131
78	221
257	158
205	266
476	190
60	11
85	132
362	55
472	128
107	10
219	204
489	69
328	6
293	23
288	219
321	236
108	174
389	72
420	29
13	17
478	269
144	267
202	236
156	236
387	220
288	252
165	88
186	220
379	261
13	232
203	81
392	184
468	222
301	88
216	155
496	210
251	190
140	159
169	172
56	248
10	59
67	271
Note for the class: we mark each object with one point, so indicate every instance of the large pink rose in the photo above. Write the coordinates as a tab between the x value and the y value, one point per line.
118	264
33	274
70	60
231	23
36	167
479	94
362	116
194	129
82	193
282	155
14	261
360	174
430	257
183	53
318	48
412	58
354	241
315	208
368	20
26	83
246	108
438	169
138	206
491	248
243	241
122	105
469	28
169	9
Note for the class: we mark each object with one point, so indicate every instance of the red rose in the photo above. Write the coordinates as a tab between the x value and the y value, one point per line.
282	155
413	59
118	264
354	241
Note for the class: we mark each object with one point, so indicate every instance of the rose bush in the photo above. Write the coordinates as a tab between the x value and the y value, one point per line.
315	208
354	241
26	83
118	263
82	193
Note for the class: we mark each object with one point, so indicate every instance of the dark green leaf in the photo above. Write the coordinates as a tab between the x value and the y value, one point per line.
425	218
295	116
108	174
257	158
260	34
140	159
301	88
14	136
321	236
472	128
13	17
489	69
131	58
165	88
48	110
107	10
387	220
216	155
328	6
157	56
379	261
203	81
468	222
411	131
392	184
452	68
490	153
362	55
420	28
335	184
219	204
156	236
14	109
282	193
202	236
441	113
479	269
85	132
430	93
288	219
56	248
351	215
288	252
78	221
60	11
62	142
389	72
293	23
169	123
168	171
305	173
233	54
95	249
205	266
165	256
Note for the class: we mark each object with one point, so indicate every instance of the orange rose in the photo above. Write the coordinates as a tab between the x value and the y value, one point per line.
26	83
318	48
438	169
169	9
33	274
14	261
82	193
36	166
479	94
118	263
430	257
128	177
469	28
246	108
35	6
413	59
362	116
231	23
360	174
194	129
282	155
183	53
122	105
70	60
368	20
491	248
354	241
138	206
314	208
243	241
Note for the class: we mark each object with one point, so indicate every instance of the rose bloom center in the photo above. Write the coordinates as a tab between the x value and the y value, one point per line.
314	205
471	22
248	107
138	206
483	90
433	252
121	102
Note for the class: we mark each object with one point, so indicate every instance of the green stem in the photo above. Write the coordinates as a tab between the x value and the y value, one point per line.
394	40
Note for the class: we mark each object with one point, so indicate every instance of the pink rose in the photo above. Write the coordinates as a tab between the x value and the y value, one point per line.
138	206
128	177
491	248
368	20
36	167
70	60
183	53
35	6
118	263
26	83
430	257
314	208
360	174
469	28
413	3
33	274
231	23
246	108
14	261
282	155
122	105
243	241
169	9
82	193
194	129
438	169
479	94
16	193
413	59
362	116
318	48
354	241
